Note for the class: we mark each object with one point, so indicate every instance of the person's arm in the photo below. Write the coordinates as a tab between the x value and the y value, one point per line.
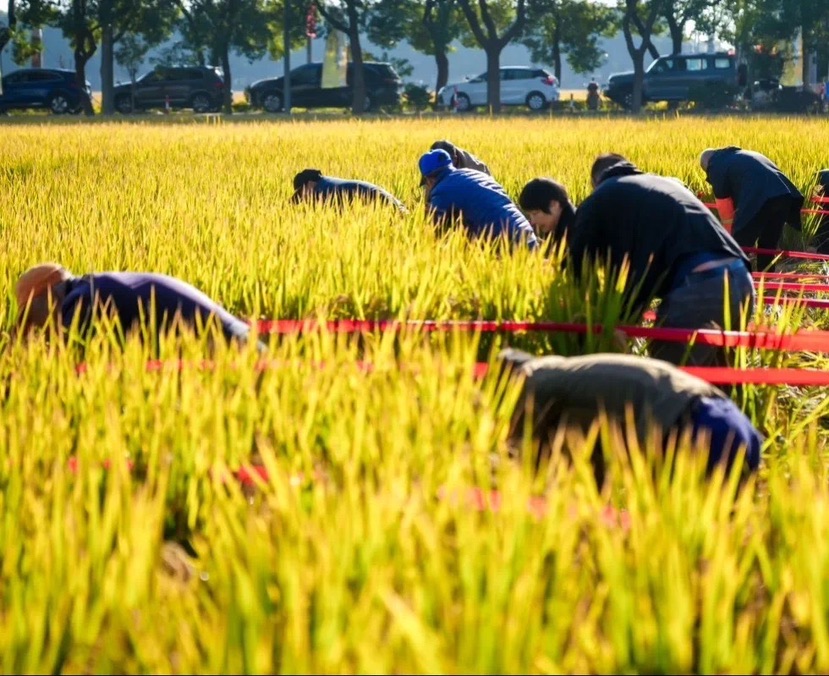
722	197
581	238
726	211
441	210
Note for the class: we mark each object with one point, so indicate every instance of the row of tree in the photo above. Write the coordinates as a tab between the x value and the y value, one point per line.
210	30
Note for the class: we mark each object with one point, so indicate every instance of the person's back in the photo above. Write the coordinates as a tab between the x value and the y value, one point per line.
483	205
155	300
343	190
651	220
652	394
312	185
750	179
462	159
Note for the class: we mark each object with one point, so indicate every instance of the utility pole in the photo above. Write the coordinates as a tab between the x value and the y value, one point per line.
287	58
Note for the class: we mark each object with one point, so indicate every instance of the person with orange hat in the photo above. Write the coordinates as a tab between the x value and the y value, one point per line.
50	297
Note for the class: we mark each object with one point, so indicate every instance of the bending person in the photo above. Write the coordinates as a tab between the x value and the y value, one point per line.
754	198
461	159
657	397
311	185
676	251
477	200
50	296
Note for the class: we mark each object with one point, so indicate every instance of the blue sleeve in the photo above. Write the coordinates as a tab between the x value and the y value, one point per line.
442	208
77	307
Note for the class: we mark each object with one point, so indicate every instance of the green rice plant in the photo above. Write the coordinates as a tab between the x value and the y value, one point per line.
392	531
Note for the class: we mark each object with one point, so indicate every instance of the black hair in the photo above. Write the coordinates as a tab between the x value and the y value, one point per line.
305	176
602	163
538	193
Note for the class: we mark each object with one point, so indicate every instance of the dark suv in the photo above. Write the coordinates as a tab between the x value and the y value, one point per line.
383	88
53	89
201	88
676	78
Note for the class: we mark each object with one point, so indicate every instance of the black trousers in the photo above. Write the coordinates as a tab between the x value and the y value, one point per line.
765	228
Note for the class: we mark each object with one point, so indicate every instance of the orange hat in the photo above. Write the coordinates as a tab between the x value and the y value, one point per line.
38	280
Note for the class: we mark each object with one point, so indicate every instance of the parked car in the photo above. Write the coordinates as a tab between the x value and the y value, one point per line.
520	85
53	89
675	78
768	94
383	88
201	88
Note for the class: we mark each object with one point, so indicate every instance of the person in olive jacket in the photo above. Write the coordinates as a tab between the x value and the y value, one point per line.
647	399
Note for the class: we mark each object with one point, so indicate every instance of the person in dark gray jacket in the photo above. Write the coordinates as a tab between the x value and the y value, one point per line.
754	198
461	159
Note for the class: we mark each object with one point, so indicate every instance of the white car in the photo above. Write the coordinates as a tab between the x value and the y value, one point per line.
520	86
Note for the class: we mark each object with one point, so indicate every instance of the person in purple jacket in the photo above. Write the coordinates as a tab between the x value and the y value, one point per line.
481	204
50	296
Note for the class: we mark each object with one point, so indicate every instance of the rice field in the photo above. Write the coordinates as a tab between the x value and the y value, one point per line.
375	543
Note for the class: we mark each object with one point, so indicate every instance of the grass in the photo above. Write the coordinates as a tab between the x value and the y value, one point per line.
366	549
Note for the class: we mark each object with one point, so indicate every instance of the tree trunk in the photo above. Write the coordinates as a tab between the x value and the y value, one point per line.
442	61
358	81
107	71
676	34
493	84
85	48
638	80
6	32
556	45
228	102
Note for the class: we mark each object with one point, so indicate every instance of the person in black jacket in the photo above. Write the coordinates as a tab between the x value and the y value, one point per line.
549	209
676	249
754	198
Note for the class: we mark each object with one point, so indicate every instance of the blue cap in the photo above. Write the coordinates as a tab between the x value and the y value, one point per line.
433	161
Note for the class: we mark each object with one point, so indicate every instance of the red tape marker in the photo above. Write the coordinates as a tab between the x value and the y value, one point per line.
786	253
810	341
717	375
720	375
713	206
796	276
793	286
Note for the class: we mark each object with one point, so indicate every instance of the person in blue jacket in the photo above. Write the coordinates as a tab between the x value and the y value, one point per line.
50	296
311	185
481	204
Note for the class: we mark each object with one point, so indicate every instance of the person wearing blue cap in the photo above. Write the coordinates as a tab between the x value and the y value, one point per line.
481	204
654	396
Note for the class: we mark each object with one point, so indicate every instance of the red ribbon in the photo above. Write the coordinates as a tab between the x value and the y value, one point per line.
786	253
795	286
713	205
811	341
